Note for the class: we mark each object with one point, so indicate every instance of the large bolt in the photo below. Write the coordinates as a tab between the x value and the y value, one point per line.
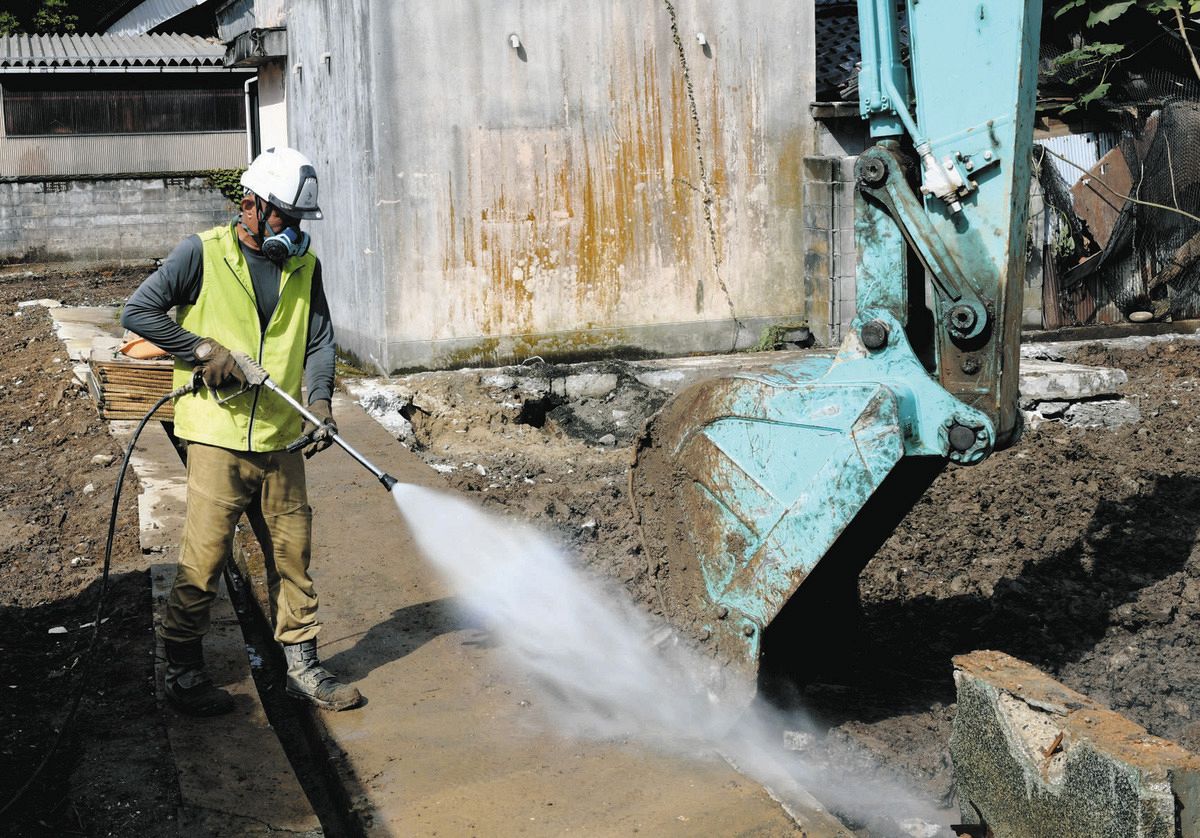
962	438
871	171
970	364
875	335
962	318
748	630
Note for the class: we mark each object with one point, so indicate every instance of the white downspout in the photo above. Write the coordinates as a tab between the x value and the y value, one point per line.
249	118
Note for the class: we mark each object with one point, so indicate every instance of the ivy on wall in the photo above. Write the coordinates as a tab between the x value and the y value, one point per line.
228	181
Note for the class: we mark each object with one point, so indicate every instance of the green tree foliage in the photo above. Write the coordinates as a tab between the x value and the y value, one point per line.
1087	68
55	17
44	17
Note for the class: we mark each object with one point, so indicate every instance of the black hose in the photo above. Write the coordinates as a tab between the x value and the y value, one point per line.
86	657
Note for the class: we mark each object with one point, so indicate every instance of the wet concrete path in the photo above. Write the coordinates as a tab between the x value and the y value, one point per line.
449	742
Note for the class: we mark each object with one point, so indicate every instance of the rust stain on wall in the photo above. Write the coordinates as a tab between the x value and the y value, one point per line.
557	227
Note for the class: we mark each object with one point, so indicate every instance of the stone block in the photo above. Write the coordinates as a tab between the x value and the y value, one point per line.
62	222
585	385
1032	757
117	219
1104	414
821	168
817	216
1051	381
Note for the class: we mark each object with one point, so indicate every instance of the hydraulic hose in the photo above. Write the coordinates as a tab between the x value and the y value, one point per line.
86	658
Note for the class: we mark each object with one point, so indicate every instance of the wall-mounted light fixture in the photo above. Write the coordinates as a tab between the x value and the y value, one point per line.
514	41
297	69
326	57
700	39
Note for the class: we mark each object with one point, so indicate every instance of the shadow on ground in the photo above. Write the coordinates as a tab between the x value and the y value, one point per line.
895	656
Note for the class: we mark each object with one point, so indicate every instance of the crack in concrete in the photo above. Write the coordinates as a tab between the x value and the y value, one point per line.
705	189
233	817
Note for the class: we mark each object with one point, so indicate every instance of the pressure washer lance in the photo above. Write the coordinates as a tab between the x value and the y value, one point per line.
256	376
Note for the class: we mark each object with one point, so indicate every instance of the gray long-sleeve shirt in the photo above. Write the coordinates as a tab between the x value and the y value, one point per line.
177	282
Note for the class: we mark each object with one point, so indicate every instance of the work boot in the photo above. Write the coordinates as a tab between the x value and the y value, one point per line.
187	684
307	679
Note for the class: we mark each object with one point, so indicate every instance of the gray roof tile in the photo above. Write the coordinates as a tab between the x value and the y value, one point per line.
83	51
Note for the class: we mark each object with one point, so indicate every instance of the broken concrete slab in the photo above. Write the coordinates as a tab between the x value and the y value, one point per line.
584	385
162	501
45	302
80	327
1057	350
1056	381
1032	757
1103	414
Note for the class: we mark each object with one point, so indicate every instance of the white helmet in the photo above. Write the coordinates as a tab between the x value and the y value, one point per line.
285	178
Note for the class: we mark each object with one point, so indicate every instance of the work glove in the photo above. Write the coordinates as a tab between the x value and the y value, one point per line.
217	362
322	436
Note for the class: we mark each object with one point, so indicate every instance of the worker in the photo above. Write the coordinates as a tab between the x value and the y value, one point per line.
252	286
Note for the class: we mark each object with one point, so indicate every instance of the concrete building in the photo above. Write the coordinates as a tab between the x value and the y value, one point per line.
508	180
116	132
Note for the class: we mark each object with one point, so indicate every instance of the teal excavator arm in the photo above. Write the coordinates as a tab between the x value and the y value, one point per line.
744	485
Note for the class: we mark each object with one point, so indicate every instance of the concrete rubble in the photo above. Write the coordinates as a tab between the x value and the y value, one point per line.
1034	758
1081	396
1051	389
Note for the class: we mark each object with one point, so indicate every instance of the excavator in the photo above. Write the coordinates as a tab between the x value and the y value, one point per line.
763	494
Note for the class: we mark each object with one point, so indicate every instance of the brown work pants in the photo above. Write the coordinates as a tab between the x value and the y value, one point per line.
270	489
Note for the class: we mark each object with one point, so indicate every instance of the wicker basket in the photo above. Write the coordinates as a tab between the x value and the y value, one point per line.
125	388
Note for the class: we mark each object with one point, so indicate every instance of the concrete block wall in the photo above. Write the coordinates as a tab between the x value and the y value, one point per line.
1033	758
104	220
829	238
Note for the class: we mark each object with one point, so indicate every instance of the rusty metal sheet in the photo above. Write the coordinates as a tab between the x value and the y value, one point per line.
1097	206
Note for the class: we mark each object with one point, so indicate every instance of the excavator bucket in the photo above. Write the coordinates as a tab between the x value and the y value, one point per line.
749	487
743	484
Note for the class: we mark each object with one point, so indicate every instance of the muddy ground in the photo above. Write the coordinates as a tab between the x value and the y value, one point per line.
111	773
1076	550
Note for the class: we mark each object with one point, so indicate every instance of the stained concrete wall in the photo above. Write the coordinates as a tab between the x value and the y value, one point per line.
104	220
272	105
609	184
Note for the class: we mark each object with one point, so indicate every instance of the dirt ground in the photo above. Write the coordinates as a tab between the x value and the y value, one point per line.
1076	550
111	774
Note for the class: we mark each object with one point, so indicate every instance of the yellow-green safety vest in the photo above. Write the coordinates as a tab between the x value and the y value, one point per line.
257	420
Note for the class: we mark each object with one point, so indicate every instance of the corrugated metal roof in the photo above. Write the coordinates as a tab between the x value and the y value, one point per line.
84	51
